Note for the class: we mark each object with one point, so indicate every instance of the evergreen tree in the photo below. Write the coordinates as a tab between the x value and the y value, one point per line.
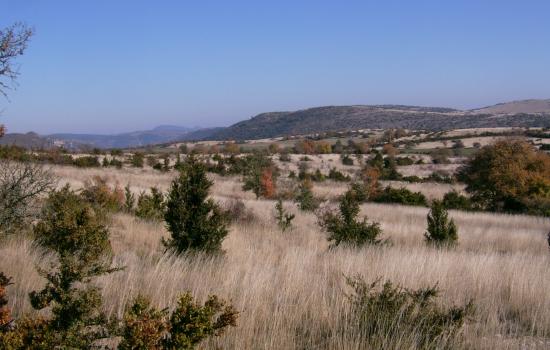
71	229
344	228
194	221
441	230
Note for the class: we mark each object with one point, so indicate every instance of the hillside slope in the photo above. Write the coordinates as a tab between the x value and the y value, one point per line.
340	118
514	107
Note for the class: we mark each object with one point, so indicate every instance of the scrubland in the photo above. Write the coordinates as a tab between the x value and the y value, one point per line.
290	287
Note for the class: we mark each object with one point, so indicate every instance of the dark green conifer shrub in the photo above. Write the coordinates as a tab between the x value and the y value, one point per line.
344	228
151	206
392	317
346	159
195	221
137	160
400	196
70	228
305	198
441	230
129	199
284	219
454	200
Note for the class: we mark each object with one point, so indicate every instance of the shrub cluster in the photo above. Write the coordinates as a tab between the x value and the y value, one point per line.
392	317
400	196
145	327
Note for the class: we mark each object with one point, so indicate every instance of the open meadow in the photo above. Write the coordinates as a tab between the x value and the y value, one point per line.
290	288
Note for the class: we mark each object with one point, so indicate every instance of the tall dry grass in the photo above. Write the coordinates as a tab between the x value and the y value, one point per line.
290	287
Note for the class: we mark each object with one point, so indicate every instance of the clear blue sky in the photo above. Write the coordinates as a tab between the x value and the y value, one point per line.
107	66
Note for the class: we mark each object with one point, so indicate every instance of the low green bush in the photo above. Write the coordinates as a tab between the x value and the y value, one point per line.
400	196
344	228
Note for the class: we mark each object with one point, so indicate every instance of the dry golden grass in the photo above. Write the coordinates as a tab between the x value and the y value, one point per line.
290	287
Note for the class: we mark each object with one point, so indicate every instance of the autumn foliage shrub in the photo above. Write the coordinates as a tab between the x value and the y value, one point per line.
5	315
509	176
393	317
98	193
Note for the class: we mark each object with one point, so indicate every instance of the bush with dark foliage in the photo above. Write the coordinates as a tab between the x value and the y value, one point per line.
195	221
344	228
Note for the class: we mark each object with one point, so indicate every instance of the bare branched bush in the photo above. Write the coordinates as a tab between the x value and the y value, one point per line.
21	184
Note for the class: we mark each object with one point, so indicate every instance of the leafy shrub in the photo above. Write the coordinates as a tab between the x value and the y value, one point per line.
305	198
70	228
145	327
441	156
440	176
347	160
151	206
137	160
454	200
336	175
509	176
237	211
5	315
344	228
412	178
284	157
259	175
129	199
441	231
195	222
284	219
404	161
86	162
400	196
100	195
393	317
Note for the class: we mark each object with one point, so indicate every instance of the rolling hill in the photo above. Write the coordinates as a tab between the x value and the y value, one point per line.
530	113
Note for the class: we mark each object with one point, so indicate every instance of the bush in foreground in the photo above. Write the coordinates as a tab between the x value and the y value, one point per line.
189	324
195	221
72	230
392	317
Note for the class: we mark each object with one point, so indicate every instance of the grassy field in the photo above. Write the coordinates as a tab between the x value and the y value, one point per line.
290	287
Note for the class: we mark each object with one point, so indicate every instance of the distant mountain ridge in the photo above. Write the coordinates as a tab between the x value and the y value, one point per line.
528	113
160	134
525	113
